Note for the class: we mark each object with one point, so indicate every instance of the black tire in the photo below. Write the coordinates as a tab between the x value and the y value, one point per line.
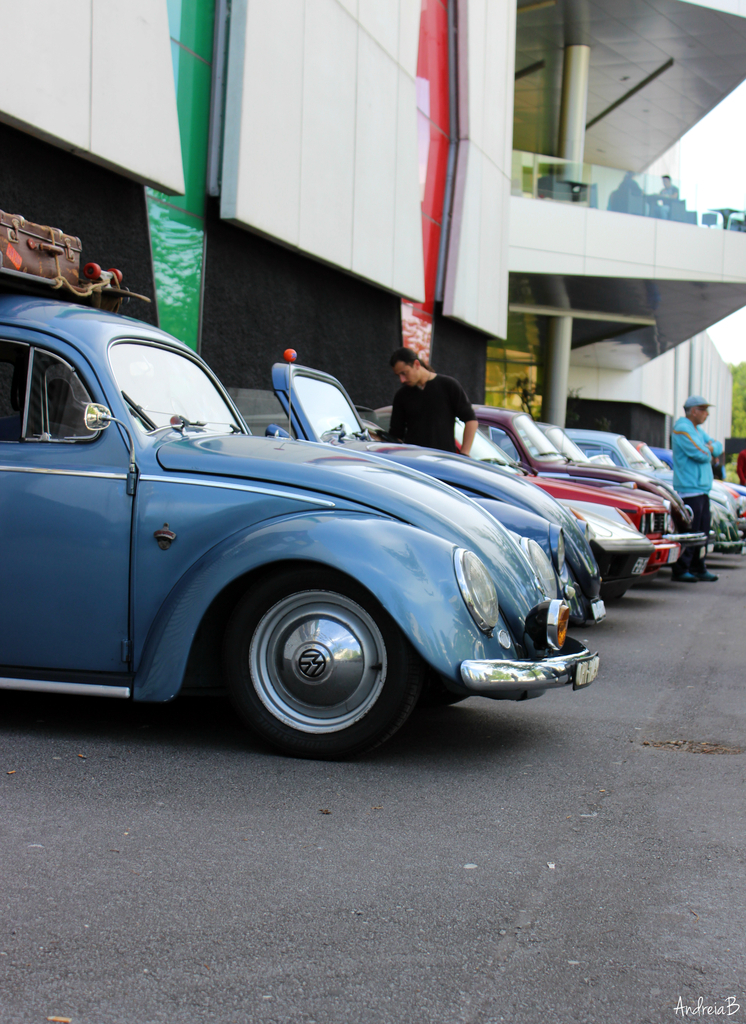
279	658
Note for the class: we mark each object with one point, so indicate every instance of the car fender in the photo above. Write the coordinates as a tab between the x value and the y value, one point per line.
410	572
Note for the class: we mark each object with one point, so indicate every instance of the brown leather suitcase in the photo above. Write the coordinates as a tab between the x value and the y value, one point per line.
38	250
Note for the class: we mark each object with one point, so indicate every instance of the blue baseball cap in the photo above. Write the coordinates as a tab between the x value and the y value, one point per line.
695	400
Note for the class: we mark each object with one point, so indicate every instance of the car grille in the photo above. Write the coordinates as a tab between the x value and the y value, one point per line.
653	522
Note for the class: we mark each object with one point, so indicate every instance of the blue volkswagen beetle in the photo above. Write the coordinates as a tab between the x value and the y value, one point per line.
152	546
321	410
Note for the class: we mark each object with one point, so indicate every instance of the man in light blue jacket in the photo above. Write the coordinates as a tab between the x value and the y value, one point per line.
693	450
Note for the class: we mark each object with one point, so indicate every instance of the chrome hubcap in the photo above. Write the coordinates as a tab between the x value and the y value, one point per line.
318	661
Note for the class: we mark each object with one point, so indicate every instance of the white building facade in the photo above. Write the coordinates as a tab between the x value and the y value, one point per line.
339	175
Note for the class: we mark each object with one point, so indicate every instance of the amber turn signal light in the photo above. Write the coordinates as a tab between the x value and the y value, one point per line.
562	624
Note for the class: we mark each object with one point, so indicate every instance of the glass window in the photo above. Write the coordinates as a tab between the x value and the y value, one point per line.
56	401
647	453
538	445
564	445
498	435
611	453
324	405
631	454
158	383
482	449
13	372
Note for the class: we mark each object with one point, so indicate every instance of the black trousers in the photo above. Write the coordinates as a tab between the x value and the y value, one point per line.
693	559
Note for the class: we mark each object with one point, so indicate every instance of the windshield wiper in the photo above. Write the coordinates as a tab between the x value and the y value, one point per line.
188	423
140	411
334	433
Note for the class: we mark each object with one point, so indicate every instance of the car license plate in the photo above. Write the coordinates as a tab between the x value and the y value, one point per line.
585	672
672	555
639	566
598	609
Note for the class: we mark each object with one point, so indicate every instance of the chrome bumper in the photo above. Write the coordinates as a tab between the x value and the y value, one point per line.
729	547
575	665
686	540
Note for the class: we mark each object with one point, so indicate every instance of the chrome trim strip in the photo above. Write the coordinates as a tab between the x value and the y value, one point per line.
80	689
237	487
62	472
685	538
483	676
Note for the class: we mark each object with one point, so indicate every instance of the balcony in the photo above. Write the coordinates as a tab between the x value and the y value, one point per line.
607	188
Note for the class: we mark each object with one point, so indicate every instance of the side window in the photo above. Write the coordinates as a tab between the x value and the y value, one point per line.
56	401
13	373
611	453
500	438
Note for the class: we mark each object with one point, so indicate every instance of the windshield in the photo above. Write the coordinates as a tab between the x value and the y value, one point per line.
630	453
482	449
157	383
564	445
539	446
647	453
325	406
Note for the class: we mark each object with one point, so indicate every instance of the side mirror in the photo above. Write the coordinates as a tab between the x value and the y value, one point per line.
97	417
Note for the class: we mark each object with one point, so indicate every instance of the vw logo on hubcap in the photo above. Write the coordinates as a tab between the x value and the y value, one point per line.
312	661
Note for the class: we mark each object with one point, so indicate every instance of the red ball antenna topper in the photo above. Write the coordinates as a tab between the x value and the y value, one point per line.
290	355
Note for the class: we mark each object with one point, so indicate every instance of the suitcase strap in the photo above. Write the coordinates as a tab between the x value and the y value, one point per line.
85	290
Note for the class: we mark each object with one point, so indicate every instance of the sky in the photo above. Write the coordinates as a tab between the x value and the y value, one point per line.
713	174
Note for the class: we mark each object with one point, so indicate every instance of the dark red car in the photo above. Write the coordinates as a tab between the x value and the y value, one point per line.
547	450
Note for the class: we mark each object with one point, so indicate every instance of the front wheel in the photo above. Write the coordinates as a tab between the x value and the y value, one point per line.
316	667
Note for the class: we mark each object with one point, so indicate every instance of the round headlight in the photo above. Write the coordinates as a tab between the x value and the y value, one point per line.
477	589
541	566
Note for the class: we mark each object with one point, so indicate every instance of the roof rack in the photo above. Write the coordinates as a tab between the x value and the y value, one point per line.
100	295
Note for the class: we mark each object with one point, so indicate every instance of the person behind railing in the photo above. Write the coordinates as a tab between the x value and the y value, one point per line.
669	190
619	200
668	195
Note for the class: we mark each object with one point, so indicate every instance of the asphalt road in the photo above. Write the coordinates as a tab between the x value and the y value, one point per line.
540	862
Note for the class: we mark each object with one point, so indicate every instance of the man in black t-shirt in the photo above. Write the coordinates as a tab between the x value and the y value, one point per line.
427	404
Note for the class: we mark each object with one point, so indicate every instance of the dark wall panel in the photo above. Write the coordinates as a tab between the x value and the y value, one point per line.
261	298
461	352
106	211
638	422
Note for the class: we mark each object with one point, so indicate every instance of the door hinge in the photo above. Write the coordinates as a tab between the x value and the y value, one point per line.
126	650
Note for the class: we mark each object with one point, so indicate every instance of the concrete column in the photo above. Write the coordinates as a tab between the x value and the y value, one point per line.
573	109
691	372
571	147
556	369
